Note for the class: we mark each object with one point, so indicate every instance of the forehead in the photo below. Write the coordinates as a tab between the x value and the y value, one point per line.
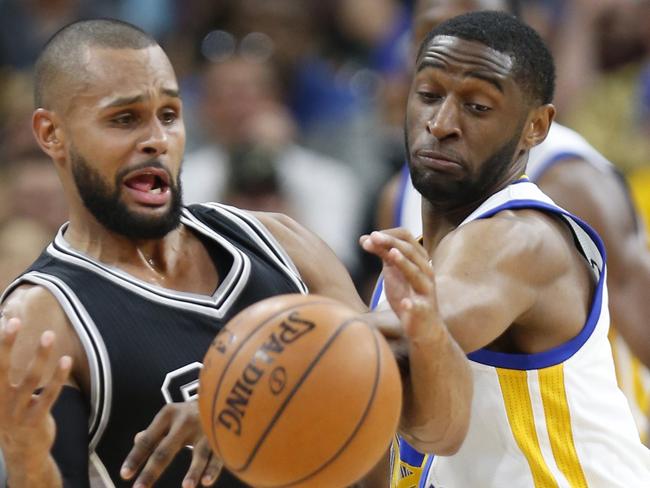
125	72
467	58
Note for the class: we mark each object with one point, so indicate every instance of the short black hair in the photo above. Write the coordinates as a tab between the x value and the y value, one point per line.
62	53
533	66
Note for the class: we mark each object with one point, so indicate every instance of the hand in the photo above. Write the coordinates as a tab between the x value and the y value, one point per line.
409	282
176	426
27	428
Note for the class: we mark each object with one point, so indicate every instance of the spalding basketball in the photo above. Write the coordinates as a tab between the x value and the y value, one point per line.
297	390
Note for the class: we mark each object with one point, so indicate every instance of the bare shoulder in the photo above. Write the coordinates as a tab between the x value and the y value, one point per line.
32	303
528	243
286	230
597	195
319	267
39	311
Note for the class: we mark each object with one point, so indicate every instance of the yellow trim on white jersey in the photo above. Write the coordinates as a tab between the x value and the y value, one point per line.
552	419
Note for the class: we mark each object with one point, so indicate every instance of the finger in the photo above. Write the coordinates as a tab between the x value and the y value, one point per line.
200	457
381	243
145	442
401	233
212	471
411	249
418	317
8	338
160	458
34	376
420	280
373	246
51	391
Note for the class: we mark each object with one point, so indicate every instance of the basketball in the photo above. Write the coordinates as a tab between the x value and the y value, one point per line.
297	390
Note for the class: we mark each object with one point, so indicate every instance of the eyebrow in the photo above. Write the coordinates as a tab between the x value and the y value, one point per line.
123	101
430	63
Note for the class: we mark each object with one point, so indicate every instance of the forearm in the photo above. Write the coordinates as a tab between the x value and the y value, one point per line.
437	395
25	471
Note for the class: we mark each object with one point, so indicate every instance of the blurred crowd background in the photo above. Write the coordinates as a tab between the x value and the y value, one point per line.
297	105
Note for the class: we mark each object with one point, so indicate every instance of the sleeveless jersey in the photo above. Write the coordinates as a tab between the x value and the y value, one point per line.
560	144
633	377
145	343
552	419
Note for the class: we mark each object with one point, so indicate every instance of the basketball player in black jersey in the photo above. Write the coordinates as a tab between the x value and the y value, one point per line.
112	320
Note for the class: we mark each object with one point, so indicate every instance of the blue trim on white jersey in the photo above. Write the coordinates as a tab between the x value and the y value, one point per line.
522	179
376	294
550	162
404	178
425	473
564	351
408	454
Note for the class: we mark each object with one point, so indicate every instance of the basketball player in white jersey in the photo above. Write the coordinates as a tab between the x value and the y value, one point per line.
135	286
581	180
517	282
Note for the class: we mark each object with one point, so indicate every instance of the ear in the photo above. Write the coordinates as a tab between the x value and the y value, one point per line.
538	124
49	134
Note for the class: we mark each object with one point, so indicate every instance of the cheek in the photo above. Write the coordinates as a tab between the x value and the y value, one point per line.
416	120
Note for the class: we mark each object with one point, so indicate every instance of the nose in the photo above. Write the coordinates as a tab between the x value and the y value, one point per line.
156	140
445	122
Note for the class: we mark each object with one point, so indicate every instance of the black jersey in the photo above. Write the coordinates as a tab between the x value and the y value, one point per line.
145	343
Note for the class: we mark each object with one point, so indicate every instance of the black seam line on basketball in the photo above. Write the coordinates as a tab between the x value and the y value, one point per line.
359	423
295	388
361	420
363	415
234	354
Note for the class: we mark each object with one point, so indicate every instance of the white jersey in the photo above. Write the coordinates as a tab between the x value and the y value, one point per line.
560	144
552	419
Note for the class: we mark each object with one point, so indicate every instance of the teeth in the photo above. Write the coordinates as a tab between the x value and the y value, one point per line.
156	191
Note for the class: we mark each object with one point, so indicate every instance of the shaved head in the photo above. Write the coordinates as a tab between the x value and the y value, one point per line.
59	67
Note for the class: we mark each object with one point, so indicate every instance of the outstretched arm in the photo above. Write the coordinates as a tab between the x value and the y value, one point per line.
487	279
411	292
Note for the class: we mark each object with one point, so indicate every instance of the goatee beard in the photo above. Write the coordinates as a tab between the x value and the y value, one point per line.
463	193
108	208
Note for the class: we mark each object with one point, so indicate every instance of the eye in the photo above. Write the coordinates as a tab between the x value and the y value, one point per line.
477	107
124	119
428	96
168	116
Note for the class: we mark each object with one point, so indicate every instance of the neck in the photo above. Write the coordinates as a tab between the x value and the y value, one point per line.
87	235
441	218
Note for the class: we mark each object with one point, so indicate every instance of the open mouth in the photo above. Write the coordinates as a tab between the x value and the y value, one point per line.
149	186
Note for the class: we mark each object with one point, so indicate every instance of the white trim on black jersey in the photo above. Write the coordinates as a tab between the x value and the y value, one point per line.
262	237
100	470
101	382
215	306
